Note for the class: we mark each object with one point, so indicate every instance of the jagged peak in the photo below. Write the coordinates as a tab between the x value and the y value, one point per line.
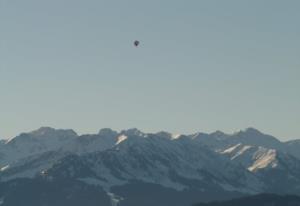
164	134
197	135
218	133
107	132
253	131
167	135
133	132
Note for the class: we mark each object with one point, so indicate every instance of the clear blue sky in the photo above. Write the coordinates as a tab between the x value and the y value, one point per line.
201	66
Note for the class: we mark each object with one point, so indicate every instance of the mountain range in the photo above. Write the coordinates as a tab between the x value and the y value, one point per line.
131	168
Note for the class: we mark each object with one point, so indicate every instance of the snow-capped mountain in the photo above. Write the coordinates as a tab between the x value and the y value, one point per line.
36	142
276	163
219	140
160	161
120	165
275	167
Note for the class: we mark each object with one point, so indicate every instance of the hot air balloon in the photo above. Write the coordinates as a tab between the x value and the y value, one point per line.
136	43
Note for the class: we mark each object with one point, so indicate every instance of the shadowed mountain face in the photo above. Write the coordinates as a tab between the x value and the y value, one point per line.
55	193
134	168
259	200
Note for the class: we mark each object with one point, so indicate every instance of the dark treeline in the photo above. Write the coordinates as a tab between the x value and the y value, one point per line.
259	200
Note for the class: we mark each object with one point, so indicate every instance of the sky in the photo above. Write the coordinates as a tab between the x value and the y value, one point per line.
201	66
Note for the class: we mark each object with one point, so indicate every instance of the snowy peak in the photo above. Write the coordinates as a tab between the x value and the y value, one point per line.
44	136
36	142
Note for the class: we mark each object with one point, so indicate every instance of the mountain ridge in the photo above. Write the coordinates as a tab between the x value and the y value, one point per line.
197	167
105	129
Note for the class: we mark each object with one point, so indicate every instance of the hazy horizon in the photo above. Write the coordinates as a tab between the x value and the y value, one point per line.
201	66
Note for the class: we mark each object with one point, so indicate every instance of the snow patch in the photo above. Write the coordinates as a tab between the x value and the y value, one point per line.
121	139
115	200
267	159
236	150
4	168
175	136
230	149
244	149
